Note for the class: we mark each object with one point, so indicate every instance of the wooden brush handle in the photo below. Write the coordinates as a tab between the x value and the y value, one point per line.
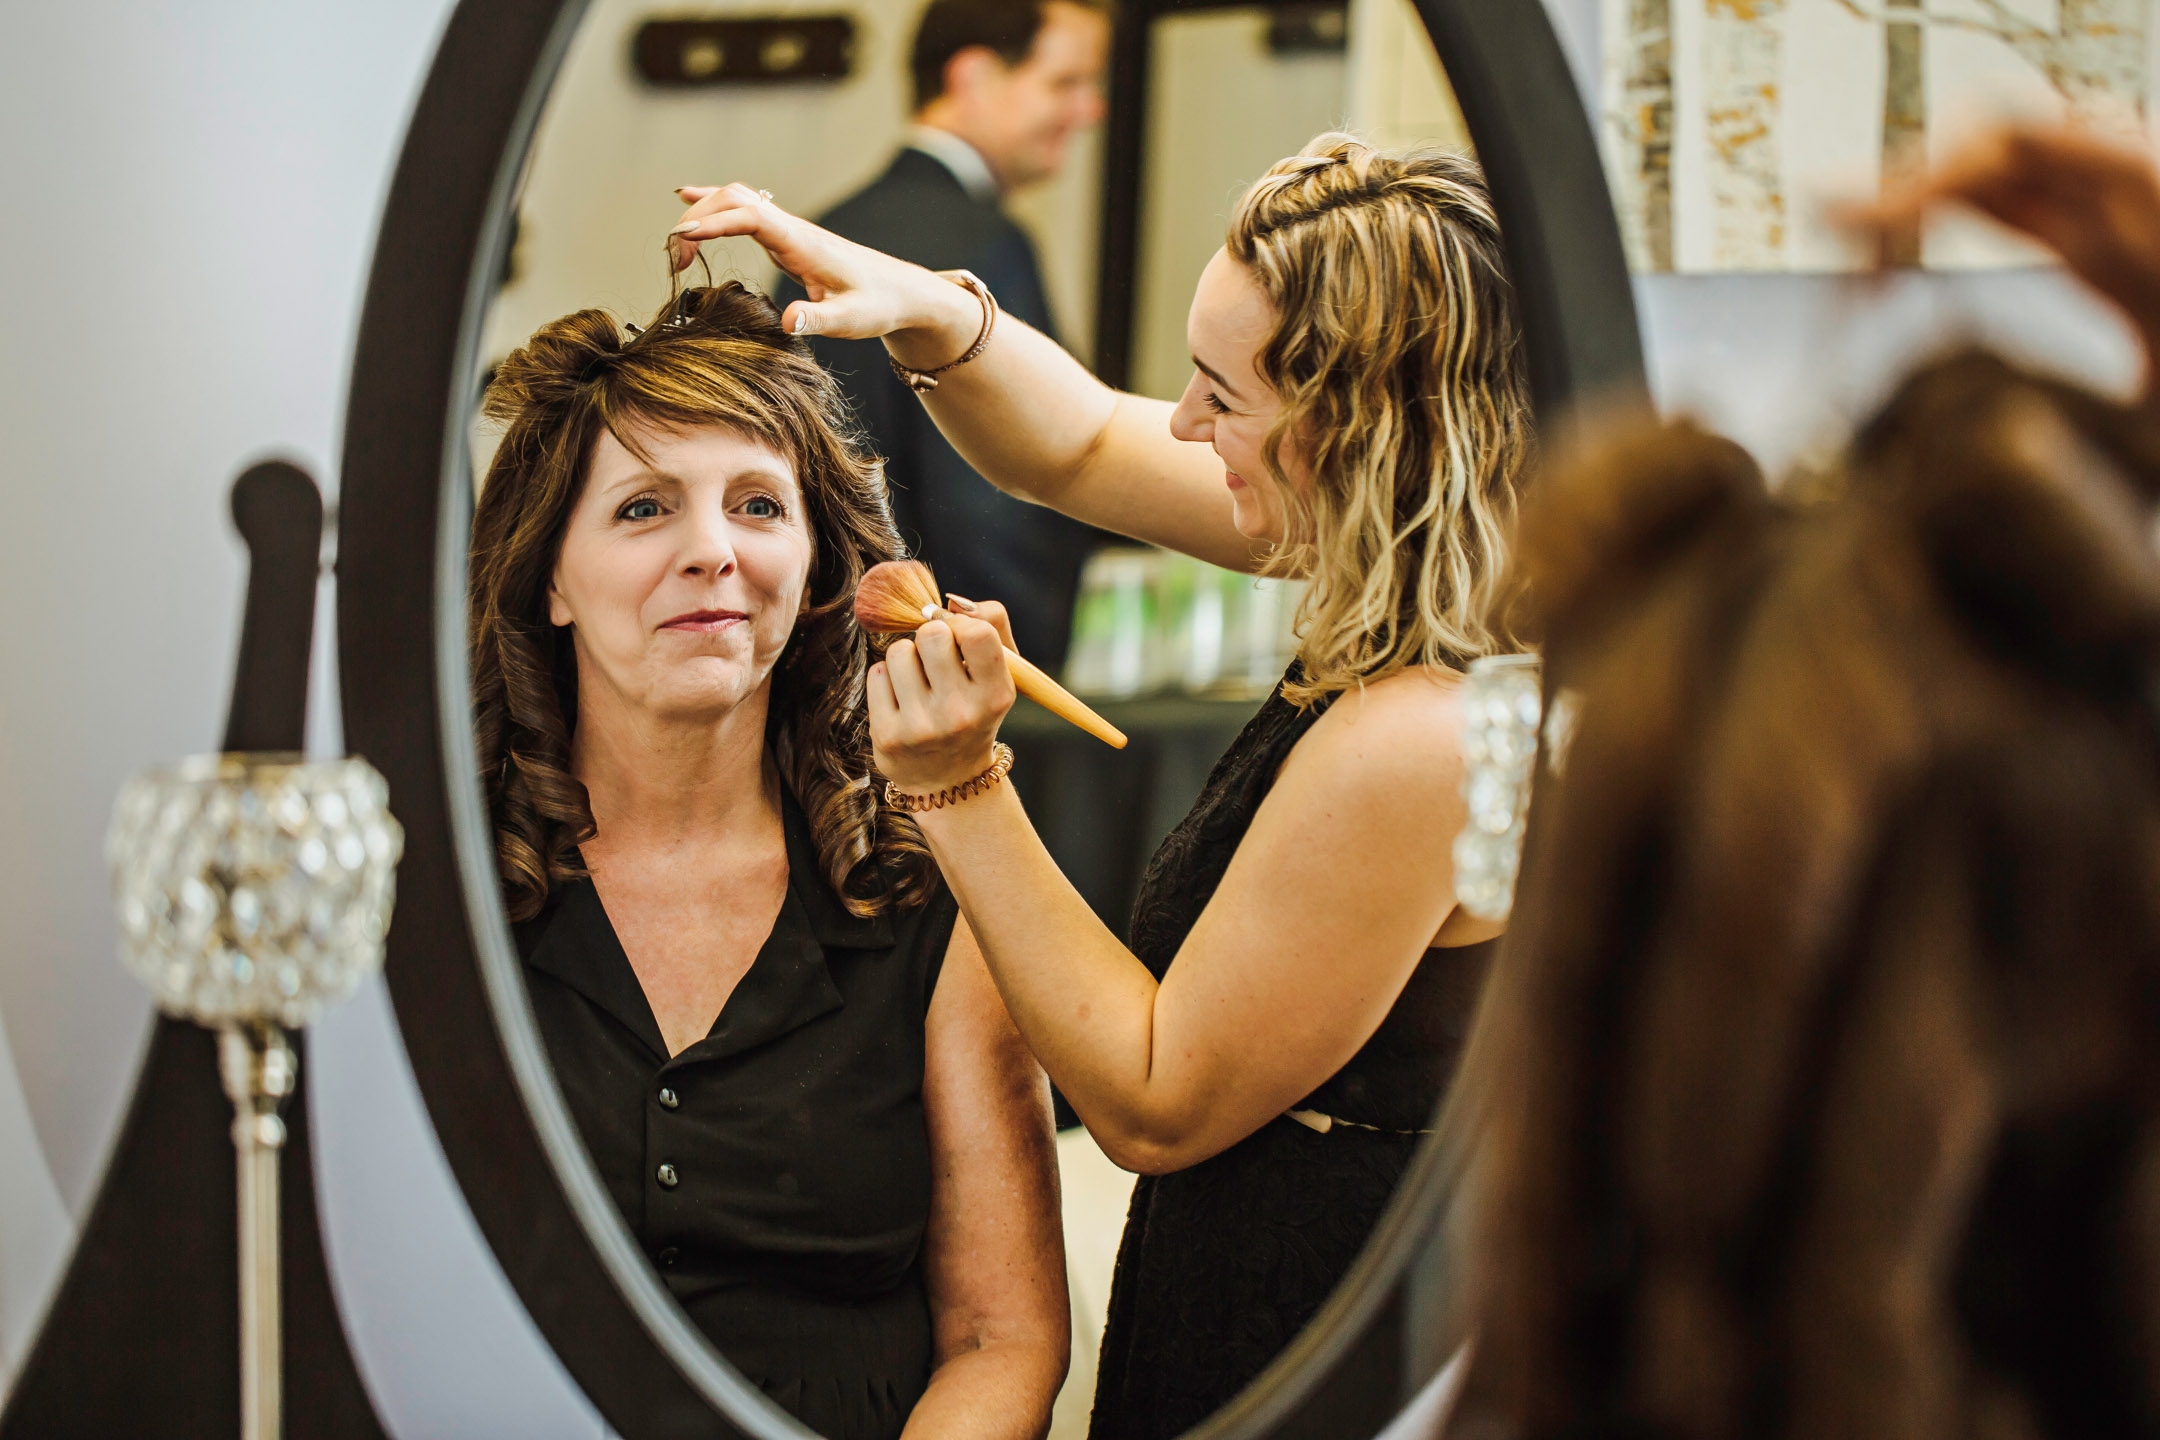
1030	681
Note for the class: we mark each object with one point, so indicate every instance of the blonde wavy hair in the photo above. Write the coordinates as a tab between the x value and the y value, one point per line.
1399	362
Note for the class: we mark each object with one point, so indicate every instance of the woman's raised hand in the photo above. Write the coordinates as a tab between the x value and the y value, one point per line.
936	701
855	292
2093	199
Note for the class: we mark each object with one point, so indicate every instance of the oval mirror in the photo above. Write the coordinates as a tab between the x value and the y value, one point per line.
644	1182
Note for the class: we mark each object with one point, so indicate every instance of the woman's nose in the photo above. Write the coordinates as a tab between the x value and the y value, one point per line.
708	544
1192	420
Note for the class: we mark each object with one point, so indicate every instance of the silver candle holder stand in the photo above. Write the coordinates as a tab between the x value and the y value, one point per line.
254	892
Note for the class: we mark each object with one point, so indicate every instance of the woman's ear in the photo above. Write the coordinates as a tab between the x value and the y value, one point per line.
558	608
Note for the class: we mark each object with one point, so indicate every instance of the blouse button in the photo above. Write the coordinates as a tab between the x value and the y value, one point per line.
669	1099
667	1177
668	1258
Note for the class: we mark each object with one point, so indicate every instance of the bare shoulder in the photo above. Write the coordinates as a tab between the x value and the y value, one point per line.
1398	739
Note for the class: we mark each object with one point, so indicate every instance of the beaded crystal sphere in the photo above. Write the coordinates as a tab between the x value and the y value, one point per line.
1501	705
253	887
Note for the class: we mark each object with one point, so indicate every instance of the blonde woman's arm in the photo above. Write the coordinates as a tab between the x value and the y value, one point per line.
1025	414
994	1255
1343	881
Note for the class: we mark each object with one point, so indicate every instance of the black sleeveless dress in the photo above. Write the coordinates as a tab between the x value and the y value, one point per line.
1222	1264
776	1173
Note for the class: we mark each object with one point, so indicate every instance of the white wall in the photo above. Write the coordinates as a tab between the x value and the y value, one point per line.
1221	109
598	189
191	191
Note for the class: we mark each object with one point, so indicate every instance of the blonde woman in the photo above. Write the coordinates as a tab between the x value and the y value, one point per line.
1267	1051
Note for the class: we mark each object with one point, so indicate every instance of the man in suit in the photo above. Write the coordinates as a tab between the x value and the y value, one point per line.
1001	86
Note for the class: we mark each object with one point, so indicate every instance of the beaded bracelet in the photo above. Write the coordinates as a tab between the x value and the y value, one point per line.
1000	765
922	382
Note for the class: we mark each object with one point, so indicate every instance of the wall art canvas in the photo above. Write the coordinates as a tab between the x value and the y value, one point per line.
1729	123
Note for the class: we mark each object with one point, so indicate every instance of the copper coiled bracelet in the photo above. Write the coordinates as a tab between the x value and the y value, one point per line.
1001	764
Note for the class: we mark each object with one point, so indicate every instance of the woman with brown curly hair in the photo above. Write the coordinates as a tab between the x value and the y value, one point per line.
780	1044
1279	1033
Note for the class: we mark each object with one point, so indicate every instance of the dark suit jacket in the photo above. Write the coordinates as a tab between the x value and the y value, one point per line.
983	543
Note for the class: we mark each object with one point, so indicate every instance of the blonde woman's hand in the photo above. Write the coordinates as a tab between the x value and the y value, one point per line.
854	292
936	702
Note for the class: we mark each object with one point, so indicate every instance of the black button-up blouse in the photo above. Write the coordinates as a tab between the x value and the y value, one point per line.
776	1172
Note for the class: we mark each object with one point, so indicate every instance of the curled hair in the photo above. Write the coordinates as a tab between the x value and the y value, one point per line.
1399	361
1816	1092
713	356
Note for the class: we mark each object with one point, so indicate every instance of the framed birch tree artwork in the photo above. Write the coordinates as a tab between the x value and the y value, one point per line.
1728	123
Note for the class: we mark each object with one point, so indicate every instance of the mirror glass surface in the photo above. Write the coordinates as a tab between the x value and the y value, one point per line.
1177	653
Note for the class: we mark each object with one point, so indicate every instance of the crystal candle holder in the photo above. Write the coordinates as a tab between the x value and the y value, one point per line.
1502	706
253	893
253	887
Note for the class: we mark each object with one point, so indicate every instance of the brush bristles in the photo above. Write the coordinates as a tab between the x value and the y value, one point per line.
896	596
892	595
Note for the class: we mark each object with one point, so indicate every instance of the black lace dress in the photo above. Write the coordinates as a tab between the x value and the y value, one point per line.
1223	1263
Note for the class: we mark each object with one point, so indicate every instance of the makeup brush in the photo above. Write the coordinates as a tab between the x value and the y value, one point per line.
897	596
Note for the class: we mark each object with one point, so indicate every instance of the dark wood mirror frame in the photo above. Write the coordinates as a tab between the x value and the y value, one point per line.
404	503
153	1271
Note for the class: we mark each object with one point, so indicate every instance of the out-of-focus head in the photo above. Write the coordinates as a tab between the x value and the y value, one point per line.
1817	1095
672	527
1359	370
1017	79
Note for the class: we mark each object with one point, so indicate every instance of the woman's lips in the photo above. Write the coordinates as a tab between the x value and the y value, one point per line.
705	622
1234	480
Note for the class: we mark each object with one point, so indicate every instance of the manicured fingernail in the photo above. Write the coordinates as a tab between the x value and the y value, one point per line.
960	603
686	227
929	612
802	322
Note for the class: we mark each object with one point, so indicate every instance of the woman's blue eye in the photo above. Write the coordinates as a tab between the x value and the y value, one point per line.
771	510
645	509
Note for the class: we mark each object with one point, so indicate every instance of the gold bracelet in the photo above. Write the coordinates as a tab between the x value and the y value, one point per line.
1000	766
922	382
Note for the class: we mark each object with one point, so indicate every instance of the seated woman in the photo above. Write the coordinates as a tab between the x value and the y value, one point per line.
1820	1097
783	1050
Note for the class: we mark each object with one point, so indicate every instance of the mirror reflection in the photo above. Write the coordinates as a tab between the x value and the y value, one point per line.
812	924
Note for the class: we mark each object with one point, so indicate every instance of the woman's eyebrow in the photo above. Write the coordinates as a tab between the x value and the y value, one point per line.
768	474
1220	383
637	479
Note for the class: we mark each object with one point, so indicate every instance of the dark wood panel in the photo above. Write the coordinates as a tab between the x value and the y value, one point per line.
744	49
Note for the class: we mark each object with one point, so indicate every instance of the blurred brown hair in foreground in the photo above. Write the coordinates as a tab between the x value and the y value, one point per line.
1819	1094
